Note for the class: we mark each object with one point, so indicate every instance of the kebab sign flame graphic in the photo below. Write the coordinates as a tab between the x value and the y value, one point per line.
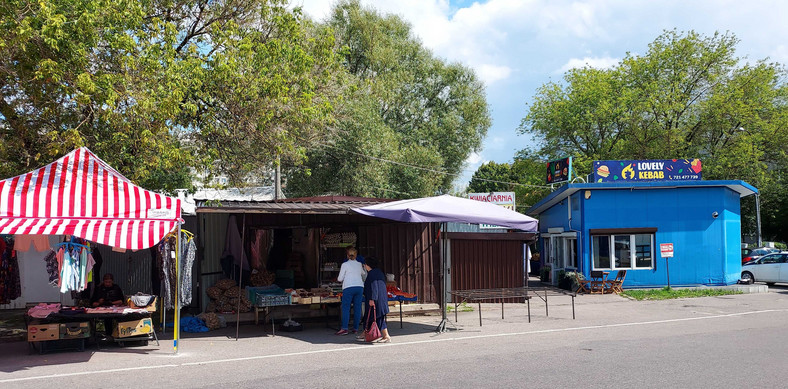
628	170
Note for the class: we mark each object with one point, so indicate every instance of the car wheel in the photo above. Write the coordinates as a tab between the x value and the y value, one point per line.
747	277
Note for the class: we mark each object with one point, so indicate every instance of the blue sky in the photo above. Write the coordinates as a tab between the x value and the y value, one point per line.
515	46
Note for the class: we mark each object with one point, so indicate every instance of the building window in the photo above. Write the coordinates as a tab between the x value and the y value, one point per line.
601	251
623	251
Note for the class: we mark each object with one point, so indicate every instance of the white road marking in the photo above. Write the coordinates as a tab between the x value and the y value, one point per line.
357	348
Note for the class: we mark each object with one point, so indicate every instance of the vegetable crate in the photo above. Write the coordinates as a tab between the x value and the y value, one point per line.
270	300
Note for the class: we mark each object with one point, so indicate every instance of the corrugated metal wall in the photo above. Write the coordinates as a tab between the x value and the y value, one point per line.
410	252
211	234
132	270
484	264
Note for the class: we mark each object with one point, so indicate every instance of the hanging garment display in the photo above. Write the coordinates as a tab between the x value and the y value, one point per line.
10	285
234	245
75	262
22	242
189	253
166	264
52	267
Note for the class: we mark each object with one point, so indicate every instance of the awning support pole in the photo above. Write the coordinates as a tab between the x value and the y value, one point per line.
240	278
177	328
444	279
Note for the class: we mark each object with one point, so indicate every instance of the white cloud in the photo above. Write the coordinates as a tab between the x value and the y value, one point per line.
491	73
474	159
779	54
595	62
526	42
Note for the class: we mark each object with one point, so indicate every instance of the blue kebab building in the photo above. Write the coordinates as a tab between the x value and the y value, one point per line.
619	221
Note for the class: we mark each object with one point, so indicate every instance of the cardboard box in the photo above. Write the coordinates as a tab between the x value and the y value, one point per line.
74	330
133	328
41	332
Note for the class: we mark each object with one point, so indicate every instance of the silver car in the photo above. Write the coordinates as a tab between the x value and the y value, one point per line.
769	268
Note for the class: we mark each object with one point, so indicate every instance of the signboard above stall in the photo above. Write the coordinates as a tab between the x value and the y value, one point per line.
648	170
504	199
559	170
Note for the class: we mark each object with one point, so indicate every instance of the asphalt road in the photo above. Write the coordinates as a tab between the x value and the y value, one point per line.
730	341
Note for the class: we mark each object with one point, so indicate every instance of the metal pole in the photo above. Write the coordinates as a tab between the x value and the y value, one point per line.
573	307
278	180
667	270
546	311
758	218
443	300
240	279
177	328
163	308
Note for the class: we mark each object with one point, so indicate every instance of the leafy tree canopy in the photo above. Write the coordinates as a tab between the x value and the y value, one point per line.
688	96
151	85
408	122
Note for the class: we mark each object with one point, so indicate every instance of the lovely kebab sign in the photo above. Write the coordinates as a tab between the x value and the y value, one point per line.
649	170
504	199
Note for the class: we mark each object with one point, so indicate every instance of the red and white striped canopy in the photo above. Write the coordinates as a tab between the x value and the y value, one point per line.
81	195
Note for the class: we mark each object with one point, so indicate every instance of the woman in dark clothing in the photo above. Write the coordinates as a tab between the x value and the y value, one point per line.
376	297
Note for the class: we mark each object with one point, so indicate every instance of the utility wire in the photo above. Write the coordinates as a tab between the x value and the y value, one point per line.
428	169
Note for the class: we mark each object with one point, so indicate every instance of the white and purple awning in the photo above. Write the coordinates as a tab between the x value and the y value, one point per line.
447	208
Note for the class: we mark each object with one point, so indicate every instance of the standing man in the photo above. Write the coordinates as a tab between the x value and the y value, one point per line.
351	276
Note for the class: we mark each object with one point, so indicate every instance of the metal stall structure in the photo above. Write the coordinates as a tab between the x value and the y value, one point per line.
408	250
487	260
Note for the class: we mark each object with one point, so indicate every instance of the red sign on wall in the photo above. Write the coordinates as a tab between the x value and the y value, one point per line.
666	250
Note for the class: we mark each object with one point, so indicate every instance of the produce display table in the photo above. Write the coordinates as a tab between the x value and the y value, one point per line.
525	293
400	299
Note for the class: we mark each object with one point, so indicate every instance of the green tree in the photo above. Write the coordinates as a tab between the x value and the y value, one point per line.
151	85
688	96
87	72
429	114
492	177
268	92
524	177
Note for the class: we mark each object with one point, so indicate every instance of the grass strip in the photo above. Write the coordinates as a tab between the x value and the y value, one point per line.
671	293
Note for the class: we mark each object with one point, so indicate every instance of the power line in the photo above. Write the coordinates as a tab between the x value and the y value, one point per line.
428	169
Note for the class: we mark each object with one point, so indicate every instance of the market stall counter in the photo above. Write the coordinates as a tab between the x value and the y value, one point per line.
52	326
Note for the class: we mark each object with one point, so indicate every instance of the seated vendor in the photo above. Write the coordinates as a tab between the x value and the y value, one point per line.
107	293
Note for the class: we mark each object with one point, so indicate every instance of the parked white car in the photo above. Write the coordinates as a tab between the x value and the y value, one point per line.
769	268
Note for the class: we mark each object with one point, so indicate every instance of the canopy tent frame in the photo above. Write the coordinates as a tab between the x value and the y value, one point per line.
81	195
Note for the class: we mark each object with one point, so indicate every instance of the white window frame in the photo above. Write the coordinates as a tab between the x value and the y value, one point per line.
632	252
564	241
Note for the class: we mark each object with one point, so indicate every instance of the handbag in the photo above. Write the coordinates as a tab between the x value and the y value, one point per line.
373	332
